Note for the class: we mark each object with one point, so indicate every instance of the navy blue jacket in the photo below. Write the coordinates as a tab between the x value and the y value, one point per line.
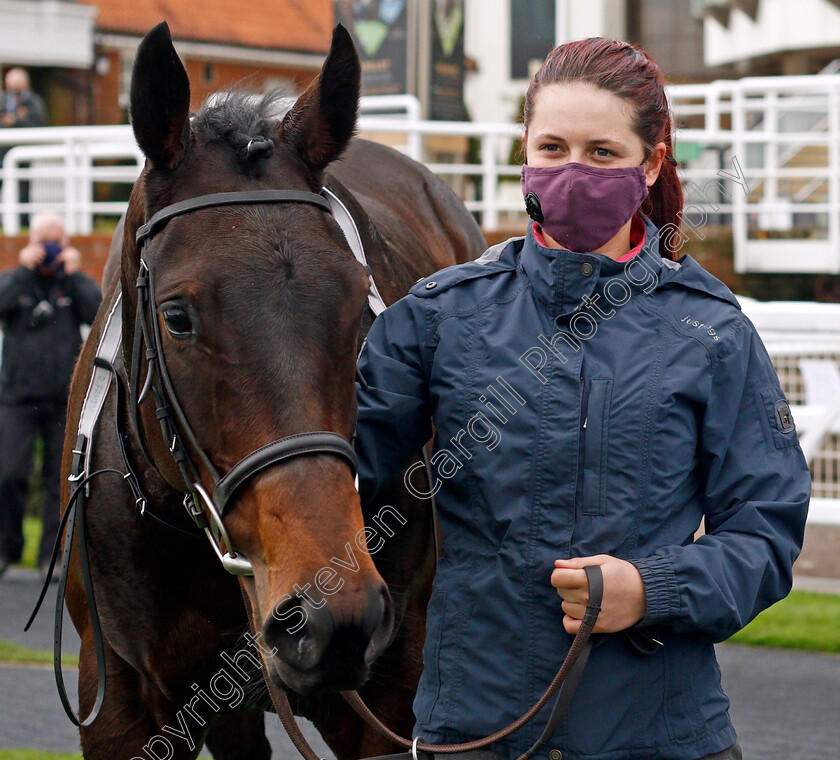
585	406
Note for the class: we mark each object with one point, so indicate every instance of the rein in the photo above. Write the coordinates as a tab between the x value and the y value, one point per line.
74	512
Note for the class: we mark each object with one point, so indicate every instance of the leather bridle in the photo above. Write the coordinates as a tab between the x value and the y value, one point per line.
208	509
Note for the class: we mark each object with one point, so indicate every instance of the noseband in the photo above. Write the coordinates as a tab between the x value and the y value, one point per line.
208	510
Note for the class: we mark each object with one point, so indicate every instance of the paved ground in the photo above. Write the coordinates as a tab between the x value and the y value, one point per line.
30	711
19	589
37	720
785	705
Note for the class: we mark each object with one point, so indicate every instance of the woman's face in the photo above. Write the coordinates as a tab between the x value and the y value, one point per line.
581	123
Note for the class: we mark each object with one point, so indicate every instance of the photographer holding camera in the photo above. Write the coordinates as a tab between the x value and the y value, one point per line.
43	303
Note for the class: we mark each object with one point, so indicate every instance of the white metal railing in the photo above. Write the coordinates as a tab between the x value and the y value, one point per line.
33	159
64	176
798	334
784	132
64	166
761	154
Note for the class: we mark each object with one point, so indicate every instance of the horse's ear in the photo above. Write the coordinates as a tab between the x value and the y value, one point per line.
160	100
323	119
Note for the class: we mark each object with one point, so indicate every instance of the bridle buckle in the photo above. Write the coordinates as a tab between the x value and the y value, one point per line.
234	562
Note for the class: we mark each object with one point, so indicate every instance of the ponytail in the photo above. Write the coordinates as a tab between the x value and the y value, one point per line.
664	205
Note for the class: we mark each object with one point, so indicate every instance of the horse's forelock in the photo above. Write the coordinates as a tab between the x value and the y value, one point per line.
245	122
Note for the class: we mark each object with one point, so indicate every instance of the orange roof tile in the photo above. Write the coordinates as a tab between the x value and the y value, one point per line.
303	25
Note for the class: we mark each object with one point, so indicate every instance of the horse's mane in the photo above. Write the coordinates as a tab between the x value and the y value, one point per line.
243	120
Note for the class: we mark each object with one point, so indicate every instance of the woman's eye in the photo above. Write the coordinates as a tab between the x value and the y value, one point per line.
177	320
603	153
551	147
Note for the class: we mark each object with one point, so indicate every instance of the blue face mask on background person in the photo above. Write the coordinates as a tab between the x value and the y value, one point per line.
53	250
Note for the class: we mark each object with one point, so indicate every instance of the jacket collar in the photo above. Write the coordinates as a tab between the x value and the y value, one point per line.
563	281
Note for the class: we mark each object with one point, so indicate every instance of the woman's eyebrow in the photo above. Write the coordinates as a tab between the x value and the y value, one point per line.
595	141
602	140
549	136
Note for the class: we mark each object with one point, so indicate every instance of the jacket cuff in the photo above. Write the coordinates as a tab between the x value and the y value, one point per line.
662	597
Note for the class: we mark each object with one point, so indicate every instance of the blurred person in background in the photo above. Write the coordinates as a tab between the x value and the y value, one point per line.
21	106
43	304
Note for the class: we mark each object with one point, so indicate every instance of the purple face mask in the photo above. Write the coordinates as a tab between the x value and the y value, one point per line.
581	206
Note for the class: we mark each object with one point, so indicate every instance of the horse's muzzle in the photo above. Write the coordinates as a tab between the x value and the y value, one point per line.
331	646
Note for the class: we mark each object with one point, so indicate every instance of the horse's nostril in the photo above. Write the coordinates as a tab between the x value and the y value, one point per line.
336	642
299	632
379	623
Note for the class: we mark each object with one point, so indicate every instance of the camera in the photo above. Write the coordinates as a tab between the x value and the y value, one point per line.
42	313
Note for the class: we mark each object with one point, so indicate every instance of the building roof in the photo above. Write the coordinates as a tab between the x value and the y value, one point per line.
301	25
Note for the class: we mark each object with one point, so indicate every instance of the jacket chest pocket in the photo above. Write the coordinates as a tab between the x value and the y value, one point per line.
596	429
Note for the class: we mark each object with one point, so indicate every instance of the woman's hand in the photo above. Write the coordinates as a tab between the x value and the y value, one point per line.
623	604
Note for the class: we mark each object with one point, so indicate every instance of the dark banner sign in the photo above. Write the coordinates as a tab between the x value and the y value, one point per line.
532	24
447	60
380	30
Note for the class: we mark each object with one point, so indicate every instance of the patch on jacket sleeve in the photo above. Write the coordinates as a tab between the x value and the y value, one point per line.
780	418
784	419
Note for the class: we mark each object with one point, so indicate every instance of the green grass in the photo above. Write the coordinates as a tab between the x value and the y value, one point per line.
104	224
36	754
31	541
803	620
17	654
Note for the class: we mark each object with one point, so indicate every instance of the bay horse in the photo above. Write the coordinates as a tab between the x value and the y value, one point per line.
261	311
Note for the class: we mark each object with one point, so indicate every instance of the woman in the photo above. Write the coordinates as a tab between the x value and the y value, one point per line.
596	395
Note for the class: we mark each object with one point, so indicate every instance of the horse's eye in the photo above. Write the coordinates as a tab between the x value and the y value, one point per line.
177	320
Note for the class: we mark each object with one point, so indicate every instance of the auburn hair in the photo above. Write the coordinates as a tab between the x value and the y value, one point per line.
631	74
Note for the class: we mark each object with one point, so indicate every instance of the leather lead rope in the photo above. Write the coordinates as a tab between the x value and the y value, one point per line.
580	644
565	681
595	578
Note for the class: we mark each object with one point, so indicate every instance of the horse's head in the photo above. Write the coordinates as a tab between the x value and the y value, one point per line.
258	308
